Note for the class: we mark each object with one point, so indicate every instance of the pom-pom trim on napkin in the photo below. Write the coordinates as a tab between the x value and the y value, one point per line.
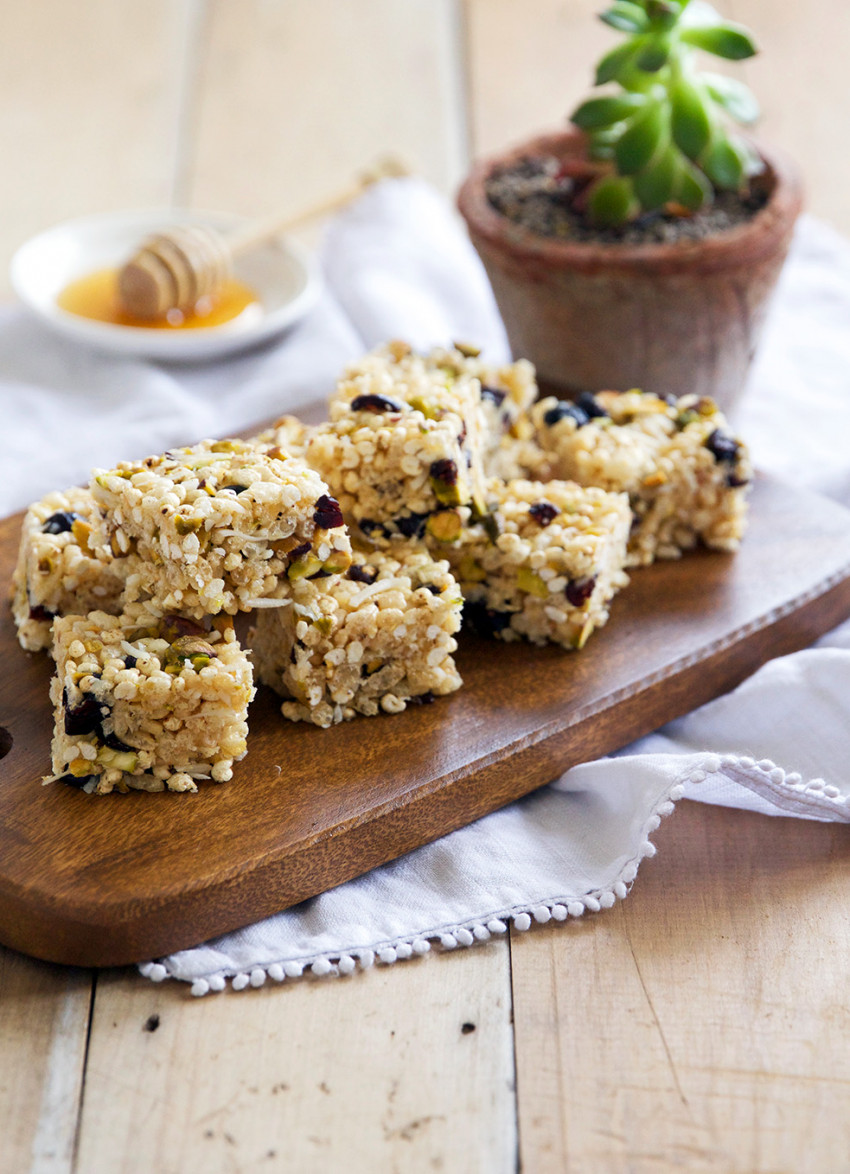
785	790
815	799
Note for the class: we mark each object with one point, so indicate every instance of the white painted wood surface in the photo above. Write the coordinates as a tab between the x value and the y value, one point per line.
700	1025
44	1014
88	109
295	98
399	1068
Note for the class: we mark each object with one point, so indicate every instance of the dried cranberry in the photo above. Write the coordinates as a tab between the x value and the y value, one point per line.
374	403
587	402
115	743
327	514
578	591
723	446
565	409
486	621
59	523
40	612
411	525
362	574
493	394
735	482
129	662
300	551
444	471
84	718
543	512
76	781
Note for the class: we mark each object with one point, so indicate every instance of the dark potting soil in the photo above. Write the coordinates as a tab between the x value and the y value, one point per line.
533	192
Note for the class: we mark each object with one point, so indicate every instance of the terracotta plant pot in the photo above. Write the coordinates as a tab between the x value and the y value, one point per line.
671	317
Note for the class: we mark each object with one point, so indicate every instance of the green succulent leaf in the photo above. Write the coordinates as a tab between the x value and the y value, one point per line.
689	117
731	41
640	140
601	143
663	13
736	99
599	112
723	164
702	15
611	201
600	152
655	54
627	17
655	186
692	188
616	64
753	162
667	132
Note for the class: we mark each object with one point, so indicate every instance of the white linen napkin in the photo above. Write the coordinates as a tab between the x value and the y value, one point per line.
398	264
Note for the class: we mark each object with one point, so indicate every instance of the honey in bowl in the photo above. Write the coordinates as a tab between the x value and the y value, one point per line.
95	296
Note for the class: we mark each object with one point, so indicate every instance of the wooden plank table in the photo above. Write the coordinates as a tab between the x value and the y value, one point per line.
702	1024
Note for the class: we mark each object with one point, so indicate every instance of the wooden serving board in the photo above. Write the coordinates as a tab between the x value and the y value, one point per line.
101	881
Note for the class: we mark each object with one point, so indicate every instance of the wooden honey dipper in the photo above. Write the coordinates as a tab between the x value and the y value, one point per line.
174	269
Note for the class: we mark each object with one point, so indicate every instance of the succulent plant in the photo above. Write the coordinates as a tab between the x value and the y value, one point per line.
668	131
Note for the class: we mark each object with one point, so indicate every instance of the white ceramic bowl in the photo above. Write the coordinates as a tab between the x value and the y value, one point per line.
284	276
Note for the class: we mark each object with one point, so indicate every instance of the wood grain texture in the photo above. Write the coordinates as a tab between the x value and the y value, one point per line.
44	1014
529	63
377	1072
296	99
703	1023
523	81
88	96
801	80
95	881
